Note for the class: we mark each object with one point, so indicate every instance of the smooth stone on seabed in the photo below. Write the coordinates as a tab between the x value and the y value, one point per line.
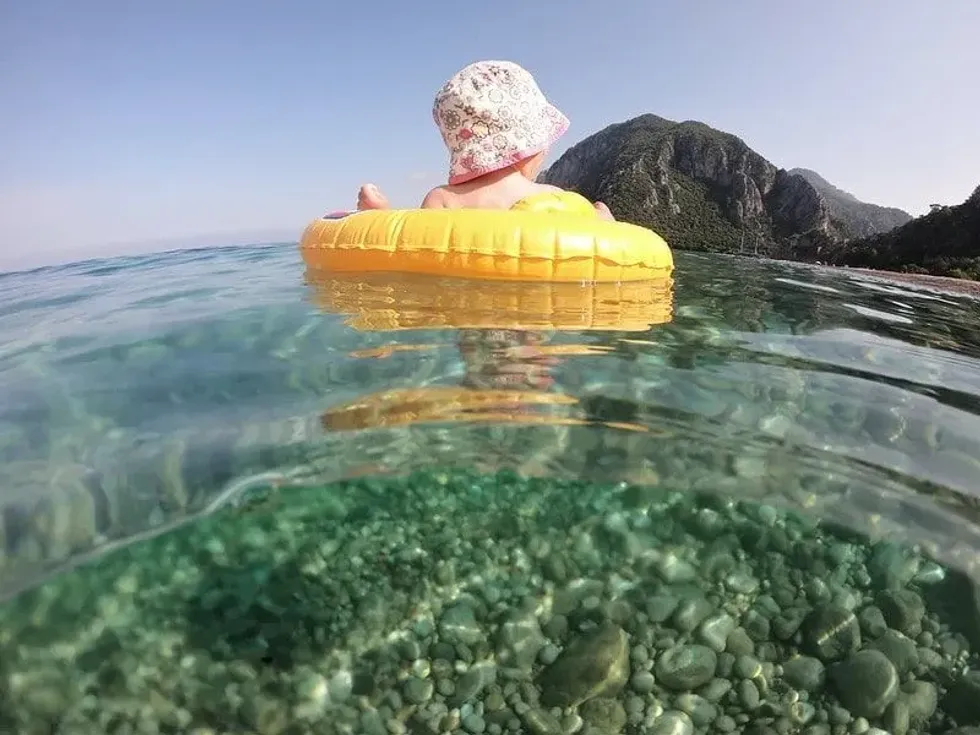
739	643
605	716
805	673
859	726
725	724
897	718
686	667
642	682
830	632
714	631
903	610
672	722
674	570
788	622
409	649
457	624
660	607
922	699
899	649
519	640
747	667
540	722
474	724
690	613
756	625
472	682
639	654
701	711
715	689
800	713
549	654
418	691
340	686
748	695
866	683
266	716
741	583
592	665
872	622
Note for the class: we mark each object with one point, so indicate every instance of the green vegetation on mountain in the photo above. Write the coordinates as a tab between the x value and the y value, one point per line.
699	222
945	242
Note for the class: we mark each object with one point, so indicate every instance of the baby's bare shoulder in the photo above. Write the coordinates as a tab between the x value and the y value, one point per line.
547	188
437	198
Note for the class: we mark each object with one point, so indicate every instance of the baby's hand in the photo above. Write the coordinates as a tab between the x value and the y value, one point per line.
604	212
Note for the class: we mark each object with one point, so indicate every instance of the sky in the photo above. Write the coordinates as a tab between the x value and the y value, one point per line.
131	126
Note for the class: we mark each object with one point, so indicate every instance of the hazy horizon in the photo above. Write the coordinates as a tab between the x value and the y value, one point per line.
129	124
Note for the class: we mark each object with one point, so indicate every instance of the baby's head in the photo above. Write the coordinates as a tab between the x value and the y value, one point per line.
493	115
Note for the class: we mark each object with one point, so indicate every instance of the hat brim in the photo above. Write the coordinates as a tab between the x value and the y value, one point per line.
558	129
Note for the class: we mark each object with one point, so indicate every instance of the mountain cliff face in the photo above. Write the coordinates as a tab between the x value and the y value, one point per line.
704	189
862	219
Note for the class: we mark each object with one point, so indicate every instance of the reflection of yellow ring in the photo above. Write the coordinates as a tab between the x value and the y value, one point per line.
438	403
404	407
510	245
383	302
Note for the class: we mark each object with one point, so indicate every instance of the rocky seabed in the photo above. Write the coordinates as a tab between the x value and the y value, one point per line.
461	603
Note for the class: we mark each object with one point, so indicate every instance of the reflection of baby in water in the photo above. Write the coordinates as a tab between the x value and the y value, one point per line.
506	374
505	359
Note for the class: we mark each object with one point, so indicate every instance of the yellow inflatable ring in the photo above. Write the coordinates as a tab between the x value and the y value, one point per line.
556	242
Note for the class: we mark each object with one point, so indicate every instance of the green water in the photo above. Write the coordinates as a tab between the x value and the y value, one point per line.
235	502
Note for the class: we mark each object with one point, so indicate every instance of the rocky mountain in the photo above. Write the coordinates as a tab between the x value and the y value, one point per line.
704	189
945	242
861	218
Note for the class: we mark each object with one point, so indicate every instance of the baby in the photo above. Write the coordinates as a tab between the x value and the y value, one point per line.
498	128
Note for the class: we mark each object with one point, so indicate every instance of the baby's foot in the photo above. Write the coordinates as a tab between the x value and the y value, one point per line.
370	197
604	212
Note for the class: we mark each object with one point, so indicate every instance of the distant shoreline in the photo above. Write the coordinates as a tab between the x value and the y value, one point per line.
940	283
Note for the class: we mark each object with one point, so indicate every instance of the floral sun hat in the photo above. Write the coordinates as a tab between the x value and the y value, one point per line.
491	115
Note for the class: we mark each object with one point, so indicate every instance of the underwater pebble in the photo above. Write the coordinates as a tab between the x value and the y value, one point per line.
866	683
672	723
805	673
642	682
687	667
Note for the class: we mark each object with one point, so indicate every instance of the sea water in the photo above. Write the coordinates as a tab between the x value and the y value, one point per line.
243	497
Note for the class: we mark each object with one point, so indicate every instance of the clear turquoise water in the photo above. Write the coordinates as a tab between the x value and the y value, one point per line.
144	394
